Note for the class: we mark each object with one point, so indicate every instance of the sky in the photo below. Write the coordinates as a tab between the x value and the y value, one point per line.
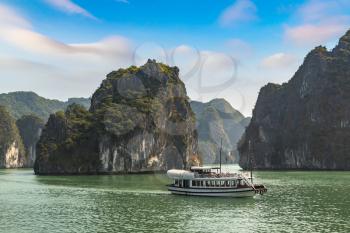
224	48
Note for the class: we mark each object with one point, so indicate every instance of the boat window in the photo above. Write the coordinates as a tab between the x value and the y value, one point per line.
176	182
194	183
227	183
233	183
241	182
201	183
212	183
217	183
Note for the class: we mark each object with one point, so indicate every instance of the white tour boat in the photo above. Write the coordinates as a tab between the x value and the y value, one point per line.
210	181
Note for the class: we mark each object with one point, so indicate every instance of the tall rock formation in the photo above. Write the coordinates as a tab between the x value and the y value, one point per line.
305	123
218	120
30	127
139	120
12	153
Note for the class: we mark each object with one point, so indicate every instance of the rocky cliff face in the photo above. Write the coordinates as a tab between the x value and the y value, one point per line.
218	120
30	127
305	123
12	153
139	120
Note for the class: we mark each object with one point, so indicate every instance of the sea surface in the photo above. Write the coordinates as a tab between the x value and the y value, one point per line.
295	202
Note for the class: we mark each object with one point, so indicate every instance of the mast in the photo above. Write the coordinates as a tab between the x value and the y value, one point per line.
220	153
250	162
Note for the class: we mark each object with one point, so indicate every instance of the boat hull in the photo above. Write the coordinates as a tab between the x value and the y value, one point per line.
244	192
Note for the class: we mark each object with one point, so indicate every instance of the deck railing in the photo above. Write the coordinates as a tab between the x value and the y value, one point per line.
218	175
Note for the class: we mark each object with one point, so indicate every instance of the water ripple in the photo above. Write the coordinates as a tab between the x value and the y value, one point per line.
295	202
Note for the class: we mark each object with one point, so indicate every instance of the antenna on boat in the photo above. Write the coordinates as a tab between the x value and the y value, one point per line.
220	153
250	161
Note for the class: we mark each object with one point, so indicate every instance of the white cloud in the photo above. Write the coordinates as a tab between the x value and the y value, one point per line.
9	17
14	31
240	11
319	21
187	58
48	66
207	74
70	7
12	63
148	50
38	43
278	61
239	48
316	9
314	34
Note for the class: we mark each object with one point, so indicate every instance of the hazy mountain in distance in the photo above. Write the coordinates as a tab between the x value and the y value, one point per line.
29	103
216	120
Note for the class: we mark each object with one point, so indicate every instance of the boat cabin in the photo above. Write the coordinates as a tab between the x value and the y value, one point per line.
206	177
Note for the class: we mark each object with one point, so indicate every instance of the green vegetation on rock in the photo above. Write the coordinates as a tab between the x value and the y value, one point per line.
10	139
139	120
66	144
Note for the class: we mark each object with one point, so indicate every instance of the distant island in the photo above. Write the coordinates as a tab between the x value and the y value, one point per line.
305	123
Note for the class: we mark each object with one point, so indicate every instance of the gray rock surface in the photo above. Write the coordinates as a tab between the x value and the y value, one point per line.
140	120
305	123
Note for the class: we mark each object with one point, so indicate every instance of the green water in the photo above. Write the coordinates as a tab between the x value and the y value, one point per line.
295	202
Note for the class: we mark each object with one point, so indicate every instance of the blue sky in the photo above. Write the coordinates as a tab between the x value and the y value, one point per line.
64	48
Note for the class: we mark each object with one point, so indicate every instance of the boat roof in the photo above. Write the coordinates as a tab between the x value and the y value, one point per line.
203	168
180	174
188	175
